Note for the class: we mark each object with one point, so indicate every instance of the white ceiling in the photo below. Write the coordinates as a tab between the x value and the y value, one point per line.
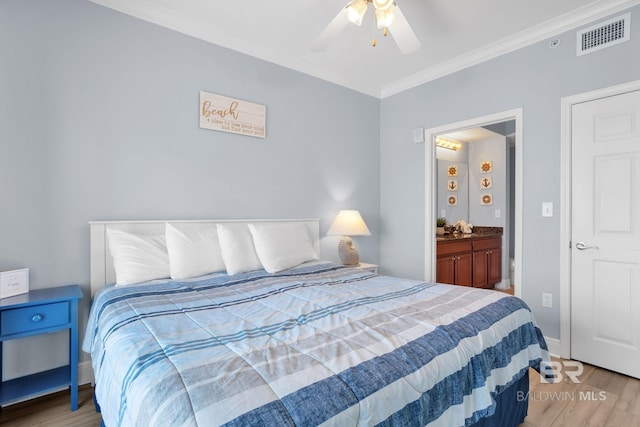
455	34
471	135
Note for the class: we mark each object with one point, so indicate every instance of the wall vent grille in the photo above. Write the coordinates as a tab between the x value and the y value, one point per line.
604	34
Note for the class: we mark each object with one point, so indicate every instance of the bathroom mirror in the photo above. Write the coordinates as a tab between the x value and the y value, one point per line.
474	177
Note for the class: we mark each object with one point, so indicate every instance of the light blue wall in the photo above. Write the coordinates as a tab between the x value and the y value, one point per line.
534	78
99	121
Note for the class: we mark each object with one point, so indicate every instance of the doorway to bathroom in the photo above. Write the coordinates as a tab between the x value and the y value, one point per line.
491	199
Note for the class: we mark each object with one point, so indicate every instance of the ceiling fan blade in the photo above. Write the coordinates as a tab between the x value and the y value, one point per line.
403	34
334	28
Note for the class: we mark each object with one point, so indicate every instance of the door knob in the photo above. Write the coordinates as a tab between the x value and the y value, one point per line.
583	247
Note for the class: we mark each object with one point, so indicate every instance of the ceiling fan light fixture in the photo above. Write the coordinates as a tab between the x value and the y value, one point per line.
387	14
356	10
384	18
382	4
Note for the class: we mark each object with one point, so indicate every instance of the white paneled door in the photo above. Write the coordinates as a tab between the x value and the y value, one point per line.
605	233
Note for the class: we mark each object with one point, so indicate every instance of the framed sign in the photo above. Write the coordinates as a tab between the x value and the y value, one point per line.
486	167
486	183
14	282
231	115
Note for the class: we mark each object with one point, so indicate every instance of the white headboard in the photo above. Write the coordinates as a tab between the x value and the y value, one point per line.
102	271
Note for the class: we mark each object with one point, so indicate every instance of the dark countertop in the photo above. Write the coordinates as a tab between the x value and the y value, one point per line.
478	233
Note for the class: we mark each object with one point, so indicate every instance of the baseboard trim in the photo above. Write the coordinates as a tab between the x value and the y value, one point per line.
554	346
85	373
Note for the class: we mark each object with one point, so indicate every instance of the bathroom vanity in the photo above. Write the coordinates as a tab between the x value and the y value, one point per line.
470	259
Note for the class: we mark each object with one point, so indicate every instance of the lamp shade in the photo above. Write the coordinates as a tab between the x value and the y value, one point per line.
349	223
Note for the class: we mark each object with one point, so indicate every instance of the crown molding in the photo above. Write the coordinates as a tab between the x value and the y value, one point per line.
525	38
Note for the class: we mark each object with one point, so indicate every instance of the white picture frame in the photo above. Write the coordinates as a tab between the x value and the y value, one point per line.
14	282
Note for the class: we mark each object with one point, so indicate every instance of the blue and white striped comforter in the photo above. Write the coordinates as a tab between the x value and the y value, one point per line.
317	345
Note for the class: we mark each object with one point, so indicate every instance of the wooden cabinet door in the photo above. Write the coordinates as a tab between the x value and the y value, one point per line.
464	271
445	269
454	269
487	262
494	266
480	269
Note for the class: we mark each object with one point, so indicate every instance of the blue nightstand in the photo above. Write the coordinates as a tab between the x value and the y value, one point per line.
40	312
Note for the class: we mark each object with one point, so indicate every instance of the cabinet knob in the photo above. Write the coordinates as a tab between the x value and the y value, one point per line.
36	318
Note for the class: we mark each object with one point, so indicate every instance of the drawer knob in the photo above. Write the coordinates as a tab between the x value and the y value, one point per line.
36	317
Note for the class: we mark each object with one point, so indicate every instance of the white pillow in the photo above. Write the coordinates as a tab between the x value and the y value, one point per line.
138	258
237	248
282	245
193	250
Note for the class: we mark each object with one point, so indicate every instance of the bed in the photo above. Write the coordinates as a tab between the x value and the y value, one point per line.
313	344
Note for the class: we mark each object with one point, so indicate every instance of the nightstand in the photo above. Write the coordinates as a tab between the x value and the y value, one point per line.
34	313
368	267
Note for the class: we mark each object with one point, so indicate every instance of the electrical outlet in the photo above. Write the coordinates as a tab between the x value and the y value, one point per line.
547	300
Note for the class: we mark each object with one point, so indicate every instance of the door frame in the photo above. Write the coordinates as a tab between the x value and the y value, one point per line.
567	104
430	190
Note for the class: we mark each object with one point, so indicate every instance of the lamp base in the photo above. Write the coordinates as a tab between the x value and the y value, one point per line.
347	251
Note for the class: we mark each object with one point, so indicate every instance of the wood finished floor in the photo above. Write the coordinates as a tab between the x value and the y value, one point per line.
53	411
510	291
602	398
550	405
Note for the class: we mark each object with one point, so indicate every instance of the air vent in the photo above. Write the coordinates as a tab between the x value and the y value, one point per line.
604	34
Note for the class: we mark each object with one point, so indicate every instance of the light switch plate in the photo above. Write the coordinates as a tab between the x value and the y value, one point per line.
418	135
547	300
547	209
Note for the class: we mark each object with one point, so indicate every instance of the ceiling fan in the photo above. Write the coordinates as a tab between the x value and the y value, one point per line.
388	17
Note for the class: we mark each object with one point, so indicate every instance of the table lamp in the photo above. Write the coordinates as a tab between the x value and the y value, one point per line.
348	223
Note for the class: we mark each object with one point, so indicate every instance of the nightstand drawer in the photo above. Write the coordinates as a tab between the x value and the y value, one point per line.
20	320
